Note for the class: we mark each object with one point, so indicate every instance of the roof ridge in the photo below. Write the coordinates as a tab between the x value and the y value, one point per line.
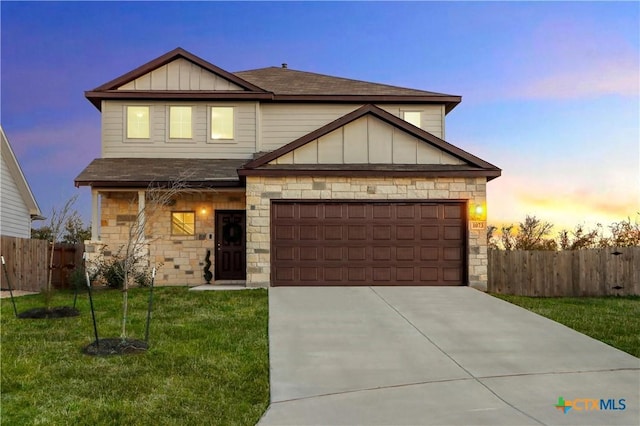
340	78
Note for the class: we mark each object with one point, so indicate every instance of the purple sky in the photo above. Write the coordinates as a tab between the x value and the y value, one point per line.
550	90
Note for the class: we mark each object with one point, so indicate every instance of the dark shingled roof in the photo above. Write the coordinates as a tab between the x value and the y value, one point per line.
136	172
272	84
285	81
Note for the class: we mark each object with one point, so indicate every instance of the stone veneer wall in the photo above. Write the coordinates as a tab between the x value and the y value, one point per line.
261	190
179	259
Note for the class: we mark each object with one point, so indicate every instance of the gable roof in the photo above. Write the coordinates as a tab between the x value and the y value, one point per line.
110	90
473	166
268	84
19	179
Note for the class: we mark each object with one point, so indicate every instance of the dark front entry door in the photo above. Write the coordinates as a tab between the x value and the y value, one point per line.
230	245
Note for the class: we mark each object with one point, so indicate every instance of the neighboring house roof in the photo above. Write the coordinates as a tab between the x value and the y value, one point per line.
470	164
140	172
19	179
269	84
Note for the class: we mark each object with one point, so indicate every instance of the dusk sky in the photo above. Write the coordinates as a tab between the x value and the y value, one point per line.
550	91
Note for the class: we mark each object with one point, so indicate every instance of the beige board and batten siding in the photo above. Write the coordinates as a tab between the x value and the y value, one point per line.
284	123
180	75
367	140
159	145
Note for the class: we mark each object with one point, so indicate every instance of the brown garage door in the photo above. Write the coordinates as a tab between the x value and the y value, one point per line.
367	243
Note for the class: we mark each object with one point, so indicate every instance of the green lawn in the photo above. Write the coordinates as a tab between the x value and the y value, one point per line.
207	362
612	320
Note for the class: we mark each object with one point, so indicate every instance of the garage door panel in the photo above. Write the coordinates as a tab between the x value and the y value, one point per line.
452	212
382	274
429	211
429	274
356	232
333	211
382	211
334	253
382	232
356	211
309	274
452	253
285	274
451	274
284	253
285	232
357	274
406	211
310	253
382	254
430	232
356	253
405	274
429	253
406	254
334	274
309	232
333	232
452	233
285	211
405	232
309	211
365	243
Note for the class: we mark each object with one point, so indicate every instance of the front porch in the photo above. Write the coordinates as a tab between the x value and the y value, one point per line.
177	235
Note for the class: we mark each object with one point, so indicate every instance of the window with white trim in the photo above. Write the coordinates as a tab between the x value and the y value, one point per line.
138	122
222	123
413	117
180	123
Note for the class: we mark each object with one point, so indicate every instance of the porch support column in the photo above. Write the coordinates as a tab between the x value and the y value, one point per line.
95	215
141	213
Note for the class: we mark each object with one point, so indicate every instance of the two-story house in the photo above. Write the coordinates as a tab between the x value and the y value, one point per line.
302	178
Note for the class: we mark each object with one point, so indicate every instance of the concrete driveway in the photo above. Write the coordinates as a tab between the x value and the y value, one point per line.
435	355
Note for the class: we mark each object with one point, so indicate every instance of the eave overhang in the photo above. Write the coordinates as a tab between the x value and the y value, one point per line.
427	171
207	184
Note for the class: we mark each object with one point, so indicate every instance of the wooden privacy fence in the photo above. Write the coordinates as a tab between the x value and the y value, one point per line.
27	262
589	272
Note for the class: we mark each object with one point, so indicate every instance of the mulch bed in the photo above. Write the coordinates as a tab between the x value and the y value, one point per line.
117	346
57	312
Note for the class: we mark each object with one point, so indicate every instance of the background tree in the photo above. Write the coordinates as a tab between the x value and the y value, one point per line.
52	232
579	238
73	230
532	234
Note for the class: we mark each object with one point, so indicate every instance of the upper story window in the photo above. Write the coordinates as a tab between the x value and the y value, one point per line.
137	122
222	123
180	124
413	117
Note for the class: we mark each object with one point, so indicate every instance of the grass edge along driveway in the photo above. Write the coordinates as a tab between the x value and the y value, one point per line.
207	363
612	320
